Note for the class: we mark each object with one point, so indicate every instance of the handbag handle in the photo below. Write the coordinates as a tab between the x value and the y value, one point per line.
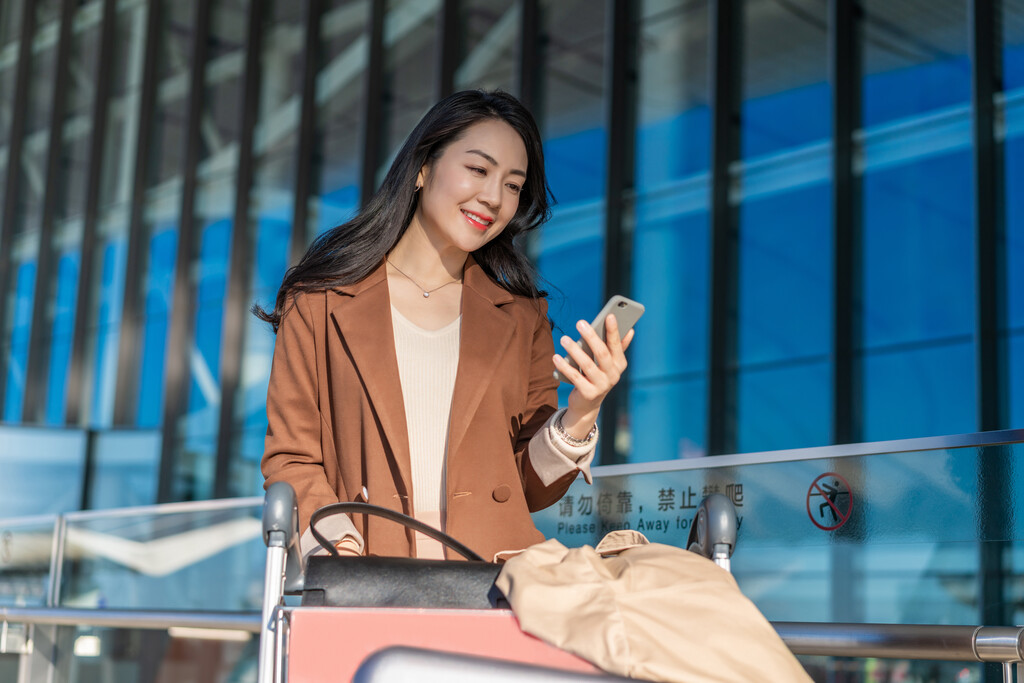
378	511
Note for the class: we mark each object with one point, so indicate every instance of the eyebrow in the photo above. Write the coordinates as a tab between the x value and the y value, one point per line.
493	161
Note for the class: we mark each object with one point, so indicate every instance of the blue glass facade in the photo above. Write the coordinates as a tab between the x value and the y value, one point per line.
122	307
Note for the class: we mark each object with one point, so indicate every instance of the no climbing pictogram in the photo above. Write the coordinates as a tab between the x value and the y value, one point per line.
829	501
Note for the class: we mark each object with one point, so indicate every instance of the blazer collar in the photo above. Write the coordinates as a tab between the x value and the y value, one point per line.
363	319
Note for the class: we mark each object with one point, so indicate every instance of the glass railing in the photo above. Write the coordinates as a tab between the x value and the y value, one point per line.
914	533
26	548
909	532
190	556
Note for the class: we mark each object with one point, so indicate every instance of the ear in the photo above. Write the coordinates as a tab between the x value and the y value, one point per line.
421	177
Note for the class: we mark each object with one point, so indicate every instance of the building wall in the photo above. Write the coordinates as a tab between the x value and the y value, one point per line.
801	197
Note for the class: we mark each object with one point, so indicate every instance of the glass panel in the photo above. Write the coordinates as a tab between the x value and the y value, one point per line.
785	245
927	402
777	407
569	251
1011	102
125	469
196	434
15	331
410	71
159	234
109	254
668	360
918	236
877	538
181	558
60	288
43	470
271	206
489	44
25	546
340	107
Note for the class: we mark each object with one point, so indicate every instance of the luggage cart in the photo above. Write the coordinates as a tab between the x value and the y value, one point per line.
330	643
374	645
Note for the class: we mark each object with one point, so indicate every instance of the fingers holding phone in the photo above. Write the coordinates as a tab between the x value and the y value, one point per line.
595	363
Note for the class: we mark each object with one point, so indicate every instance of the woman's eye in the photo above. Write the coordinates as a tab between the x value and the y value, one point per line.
515	188
477	169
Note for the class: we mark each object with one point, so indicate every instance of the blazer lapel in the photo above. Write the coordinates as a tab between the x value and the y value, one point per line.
363	320
486	333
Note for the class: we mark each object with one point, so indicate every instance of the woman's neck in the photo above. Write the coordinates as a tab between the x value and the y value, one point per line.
416	255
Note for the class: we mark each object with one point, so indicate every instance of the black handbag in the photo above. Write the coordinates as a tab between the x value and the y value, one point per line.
344	581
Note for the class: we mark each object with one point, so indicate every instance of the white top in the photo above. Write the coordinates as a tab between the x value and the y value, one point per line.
427	363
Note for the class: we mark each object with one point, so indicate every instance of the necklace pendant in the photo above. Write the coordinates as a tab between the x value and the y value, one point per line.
426	295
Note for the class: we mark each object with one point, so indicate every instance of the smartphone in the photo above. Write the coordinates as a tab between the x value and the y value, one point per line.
626	312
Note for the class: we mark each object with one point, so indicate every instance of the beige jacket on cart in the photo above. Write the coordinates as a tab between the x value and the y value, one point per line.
645	610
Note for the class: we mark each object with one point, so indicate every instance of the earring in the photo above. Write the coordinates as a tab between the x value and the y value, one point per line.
417	189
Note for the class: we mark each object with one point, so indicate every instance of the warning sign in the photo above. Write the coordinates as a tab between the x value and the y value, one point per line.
829	501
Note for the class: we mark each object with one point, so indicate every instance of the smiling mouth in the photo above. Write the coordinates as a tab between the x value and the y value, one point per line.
477	221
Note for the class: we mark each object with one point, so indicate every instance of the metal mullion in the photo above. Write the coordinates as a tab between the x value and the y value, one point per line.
531	59
995	465
36	365
14	147
449	50
373	128
305	177
530	55
73	400
989	216
622	27
725	122
130	338
240	267
176	366
845	67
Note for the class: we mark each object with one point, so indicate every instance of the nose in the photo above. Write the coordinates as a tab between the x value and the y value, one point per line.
490	193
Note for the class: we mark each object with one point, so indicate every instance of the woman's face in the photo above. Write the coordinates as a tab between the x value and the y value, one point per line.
470	193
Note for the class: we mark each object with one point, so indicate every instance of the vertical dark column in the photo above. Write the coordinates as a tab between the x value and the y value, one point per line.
725	64
990	214
35	371
130	340
845	73
305	177
995	464
531	56
236	304
105	66
373	132
532	51
449	48
622	29
17	133
176	365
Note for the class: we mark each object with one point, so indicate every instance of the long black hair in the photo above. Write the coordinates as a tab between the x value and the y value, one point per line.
349	252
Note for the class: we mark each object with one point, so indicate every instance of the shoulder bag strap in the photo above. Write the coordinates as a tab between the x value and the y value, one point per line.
386	513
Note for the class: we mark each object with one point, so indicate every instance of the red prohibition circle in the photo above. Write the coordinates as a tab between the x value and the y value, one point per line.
816	490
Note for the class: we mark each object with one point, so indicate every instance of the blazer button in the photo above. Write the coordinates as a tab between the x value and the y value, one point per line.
502	493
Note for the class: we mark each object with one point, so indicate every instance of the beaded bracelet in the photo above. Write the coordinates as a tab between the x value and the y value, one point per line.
572	440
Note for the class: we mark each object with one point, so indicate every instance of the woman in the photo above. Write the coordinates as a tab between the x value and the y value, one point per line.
413	363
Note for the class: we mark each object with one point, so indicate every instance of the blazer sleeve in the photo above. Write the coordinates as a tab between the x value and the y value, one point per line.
293	449
541	404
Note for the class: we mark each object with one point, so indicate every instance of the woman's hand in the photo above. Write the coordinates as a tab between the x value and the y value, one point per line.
595	377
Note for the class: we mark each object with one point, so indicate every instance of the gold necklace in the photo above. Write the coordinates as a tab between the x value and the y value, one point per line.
426	292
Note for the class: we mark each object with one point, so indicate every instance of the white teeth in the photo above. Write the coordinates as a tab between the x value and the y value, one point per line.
476	219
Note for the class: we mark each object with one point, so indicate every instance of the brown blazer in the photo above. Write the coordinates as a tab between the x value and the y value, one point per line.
337	420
